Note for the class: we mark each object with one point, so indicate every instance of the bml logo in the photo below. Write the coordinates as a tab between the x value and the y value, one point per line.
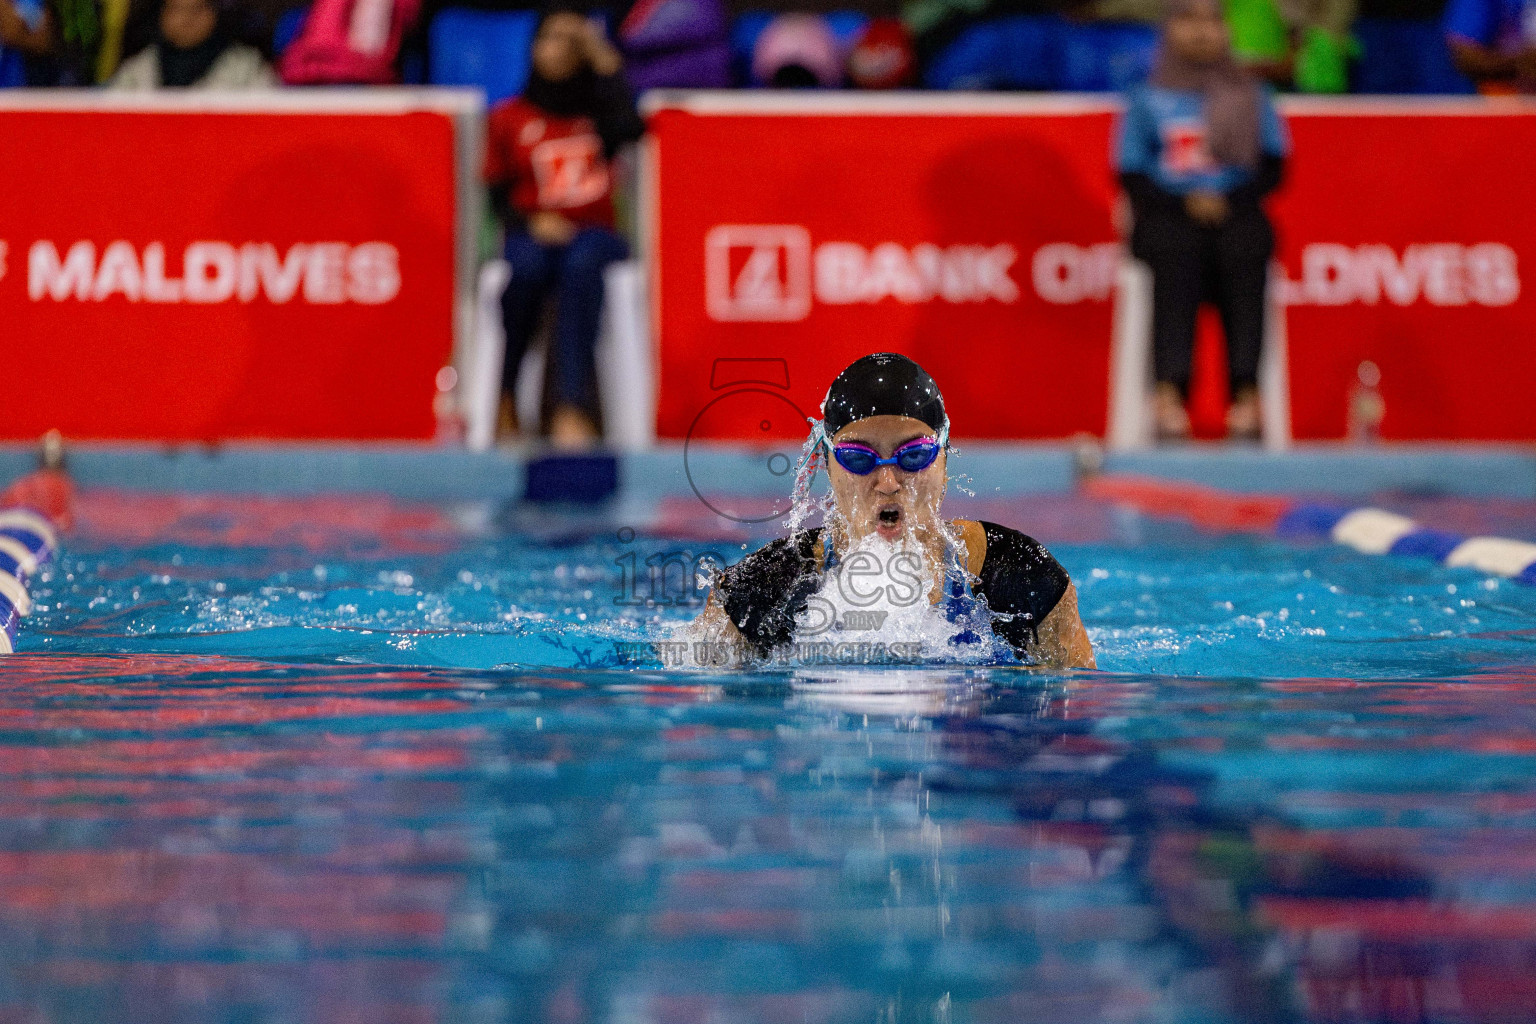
758	272
1185	150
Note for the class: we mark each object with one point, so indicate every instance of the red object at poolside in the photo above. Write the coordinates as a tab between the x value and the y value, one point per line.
47	491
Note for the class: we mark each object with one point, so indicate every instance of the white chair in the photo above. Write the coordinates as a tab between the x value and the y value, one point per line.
479	367
626	360
1130	375
626	370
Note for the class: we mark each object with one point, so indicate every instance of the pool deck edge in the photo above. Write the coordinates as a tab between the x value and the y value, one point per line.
423	472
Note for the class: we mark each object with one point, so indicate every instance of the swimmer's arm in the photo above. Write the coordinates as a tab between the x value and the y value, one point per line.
714	624
1061	641
714	627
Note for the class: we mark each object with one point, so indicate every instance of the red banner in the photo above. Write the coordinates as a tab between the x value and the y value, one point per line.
978	236
1404	231
192	276
819	238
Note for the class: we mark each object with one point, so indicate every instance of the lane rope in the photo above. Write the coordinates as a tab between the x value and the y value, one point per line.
32	510
1371	531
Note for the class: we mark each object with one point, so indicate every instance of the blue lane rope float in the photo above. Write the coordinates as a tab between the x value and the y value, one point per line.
1375	531
27	541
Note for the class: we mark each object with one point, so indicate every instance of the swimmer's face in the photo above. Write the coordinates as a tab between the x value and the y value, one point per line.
1198	32
889	501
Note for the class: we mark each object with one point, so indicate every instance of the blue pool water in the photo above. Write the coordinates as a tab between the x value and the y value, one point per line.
361	760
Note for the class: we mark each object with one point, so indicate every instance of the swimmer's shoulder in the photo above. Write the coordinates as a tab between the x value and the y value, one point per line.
1014	571
1025	587
974	536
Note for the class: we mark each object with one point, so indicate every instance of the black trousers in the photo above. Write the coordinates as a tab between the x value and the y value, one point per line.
1191	264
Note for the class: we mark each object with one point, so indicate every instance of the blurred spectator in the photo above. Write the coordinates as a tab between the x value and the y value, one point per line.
193	50
797	51
1494	43
1200	145
26	43
677	44
1145	11
547	164
1324	45
883	57
80	43
257	22
1305	43
349	42
936	24
70	42
1403	49
114	24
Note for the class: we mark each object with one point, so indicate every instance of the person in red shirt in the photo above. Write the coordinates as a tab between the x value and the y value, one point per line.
547	164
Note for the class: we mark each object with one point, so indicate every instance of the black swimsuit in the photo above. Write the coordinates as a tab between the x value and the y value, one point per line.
763	593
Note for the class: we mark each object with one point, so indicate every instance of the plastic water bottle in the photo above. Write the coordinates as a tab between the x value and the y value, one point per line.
1366	406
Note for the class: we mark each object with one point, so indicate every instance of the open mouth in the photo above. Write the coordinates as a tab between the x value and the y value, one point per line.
888	521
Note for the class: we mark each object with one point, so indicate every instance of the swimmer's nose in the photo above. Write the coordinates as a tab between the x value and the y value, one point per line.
885	480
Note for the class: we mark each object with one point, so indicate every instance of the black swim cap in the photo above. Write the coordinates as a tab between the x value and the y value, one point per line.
883	384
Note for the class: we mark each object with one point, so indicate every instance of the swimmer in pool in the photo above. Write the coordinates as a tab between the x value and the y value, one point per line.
883	436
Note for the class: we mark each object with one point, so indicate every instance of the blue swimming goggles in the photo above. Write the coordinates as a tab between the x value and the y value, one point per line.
913	457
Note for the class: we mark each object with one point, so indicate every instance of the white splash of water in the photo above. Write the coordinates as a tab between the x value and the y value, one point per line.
804	505
880	591
895	692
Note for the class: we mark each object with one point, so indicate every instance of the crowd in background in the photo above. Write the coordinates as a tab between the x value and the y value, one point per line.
563	80
1317	46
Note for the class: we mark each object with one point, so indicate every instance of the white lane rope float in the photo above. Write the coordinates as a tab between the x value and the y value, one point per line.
27	541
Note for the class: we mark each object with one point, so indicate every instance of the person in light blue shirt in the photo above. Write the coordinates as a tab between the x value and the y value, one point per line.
1494	42
1199	147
